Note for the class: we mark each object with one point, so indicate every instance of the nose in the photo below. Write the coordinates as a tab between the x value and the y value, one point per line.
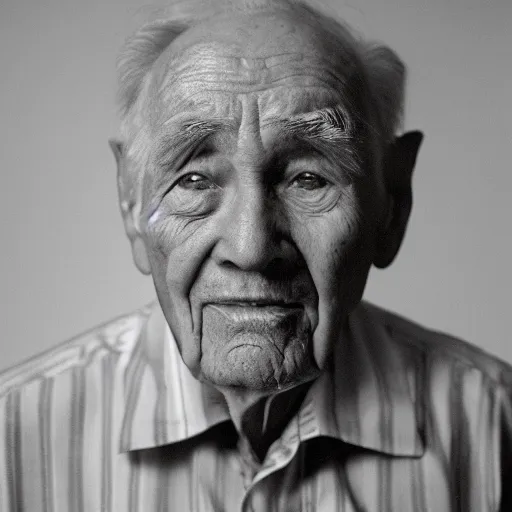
252	235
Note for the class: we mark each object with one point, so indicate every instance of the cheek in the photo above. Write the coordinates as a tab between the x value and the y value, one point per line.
334	244
175	244
177	248
338	252
165	232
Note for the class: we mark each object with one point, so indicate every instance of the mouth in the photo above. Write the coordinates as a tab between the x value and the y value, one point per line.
245	310
259	303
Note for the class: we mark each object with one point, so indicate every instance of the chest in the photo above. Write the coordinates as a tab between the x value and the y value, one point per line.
320	477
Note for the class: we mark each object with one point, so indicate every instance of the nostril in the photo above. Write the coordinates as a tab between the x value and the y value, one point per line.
275	269
229	264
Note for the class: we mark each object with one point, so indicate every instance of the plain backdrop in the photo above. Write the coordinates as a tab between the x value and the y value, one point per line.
65	264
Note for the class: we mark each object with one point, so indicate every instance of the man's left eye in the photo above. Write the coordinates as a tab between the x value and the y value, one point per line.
195	181
309	181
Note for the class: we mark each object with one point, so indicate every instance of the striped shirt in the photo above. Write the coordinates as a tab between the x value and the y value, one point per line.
405	419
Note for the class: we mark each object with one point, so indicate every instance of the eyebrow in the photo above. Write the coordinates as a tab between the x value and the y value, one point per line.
189	133
329	125
329	130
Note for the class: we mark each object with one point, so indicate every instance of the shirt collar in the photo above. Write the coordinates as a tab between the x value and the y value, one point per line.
369	396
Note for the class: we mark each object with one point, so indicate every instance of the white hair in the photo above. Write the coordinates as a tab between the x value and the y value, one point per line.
383	71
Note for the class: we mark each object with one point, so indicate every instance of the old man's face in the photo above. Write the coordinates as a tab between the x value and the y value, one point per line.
260	210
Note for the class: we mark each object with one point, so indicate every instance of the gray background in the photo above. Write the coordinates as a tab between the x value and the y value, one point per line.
65	264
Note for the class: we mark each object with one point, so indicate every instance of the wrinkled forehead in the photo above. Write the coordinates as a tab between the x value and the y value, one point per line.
290	63
266	33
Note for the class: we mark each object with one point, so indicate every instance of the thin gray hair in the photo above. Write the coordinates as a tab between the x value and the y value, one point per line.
383	72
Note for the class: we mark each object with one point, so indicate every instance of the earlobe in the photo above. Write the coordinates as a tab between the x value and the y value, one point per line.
130	209
140	256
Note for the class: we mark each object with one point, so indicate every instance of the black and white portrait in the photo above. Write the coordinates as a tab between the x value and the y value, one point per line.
275	235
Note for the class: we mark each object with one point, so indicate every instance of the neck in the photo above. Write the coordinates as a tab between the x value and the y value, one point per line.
261	418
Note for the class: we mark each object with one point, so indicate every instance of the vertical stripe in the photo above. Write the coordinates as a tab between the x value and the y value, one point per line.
418	487
151	470
60	422
75	439
162	491
13	451
492	449
91	440
220	481
438	402
160	417
208	464
120	465
4	468
133	485
143	409
106	438
459	444
475	402
193	482
346	421
384	402
132	384
30	446
46	442
305	490
349	499
382	489
362	470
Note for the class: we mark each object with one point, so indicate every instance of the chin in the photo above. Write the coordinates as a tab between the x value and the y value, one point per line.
261	348
254	366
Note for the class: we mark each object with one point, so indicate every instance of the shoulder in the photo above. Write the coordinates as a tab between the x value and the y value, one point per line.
463	402
439	348
114	337
59	408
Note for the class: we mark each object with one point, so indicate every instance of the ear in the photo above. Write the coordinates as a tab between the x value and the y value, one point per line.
129	204
398	168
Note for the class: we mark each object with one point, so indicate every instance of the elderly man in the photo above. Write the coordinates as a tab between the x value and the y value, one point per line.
260	177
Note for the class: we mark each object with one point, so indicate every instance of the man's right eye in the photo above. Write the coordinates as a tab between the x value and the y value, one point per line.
195	181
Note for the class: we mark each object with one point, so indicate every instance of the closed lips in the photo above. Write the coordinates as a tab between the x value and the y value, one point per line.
258	304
